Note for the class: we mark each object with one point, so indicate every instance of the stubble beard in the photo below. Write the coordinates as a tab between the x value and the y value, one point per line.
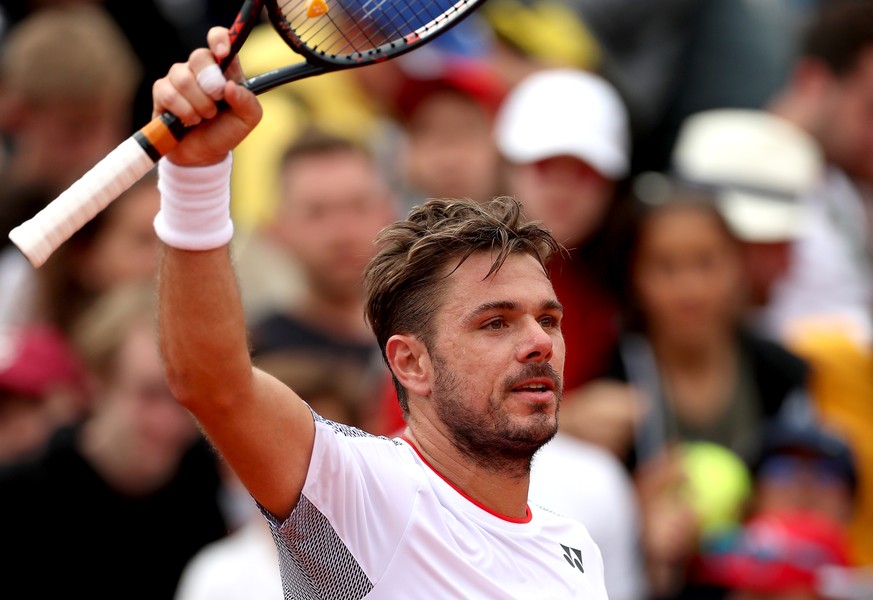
490	439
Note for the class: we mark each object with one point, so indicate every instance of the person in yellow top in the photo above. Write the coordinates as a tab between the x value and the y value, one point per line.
842	386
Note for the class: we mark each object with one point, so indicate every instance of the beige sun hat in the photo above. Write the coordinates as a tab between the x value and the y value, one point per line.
757	163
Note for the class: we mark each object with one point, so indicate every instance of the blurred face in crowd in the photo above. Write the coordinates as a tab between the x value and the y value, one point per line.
765	263
687	273
138	418
569	196
62	140
126	248
845	116
451	151
794	481
25	425
331	209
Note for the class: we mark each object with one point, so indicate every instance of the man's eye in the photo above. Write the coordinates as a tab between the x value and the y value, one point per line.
494	325
548	322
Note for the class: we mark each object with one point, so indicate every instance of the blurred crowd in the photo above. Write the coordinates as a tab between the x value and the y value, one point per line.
707	166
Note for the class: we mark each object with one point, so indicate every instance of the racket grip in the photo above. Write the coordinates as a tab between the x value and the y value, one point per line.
41	235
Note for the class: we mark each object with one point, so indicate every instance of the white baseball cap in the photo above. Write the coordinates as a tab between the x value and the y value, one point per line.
564	111
757	163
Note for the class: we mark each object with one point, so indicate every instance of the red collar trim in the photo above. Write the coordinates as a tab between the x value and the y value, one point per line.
526	519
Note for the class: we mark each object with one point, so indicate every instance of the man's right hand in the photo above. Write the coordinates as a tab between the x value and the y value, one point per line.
180	93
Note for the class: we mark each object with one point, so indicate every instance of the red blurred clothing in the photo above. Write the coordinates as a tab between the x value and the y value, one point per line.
591	321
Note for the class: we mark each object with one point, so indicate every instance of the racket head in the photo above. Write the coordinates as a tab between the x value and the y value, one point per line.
336	34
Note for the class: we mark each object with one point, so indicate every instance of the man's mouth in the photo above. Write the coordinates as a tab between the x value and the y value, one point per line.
534	386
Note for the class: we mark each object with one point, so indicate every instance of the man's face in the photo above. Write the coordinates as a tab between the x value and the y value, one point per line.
333	206
566	194
846	119
498	360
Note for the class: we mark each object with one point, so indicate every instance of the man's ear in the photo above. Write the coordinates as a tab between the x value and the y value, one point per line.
410	363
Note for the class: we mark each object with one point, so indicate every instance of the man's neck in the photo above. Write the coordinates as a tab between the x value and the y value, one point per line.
503	492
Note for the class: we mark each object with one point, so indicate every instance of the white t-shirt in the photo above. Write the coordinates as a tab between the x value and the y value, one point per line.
588	483
376	521
830	278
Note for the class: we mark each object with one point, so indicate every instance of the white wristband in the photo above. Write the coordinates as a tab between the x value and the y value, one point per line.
195	205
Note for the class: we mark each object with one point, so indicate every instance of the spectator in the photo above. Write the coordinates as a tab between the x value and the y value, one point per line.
823	307
721	145
702	375
792	555
795	538
117	246
446	110
806	468
42	387
564	135
67	80
150	29
686	347
757	165
831	272
135	480
334	201
352	104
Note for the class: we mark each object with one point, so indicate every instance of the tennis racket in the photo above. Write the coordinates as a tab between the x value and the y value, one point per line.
329	34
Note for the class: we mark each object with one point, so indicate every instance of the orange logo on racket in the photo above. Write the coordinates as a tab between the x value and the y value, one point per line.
316	9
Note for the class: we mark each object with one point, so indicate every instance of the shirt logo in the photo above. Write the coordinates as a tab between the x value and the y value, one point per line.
574	557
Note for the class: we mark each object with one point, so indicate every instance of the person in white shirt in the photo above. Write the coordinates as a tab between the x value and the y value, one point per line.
829	94
469	325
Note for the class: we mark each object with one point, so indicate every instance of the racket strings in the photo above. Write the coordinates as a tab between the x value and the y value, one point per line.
352	28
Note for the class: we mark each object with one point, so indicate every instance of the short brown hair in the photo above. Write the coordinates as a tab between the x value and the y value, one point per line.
405	280
839	33
314	141
69	53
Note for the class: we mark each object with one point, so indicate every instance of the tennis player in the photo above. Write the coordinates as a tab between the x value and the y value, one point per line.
469	324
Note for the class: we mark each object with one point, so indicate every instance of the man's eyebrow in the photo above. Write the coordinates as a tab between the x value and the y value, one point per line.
493	306
510	305
553	305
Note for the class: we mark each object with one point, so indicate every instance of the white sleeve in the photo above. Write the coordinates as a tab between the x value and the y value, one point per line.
366	487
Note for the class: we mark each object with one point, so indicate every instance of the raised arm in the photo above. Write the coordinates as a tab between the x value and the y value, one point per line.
259	426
